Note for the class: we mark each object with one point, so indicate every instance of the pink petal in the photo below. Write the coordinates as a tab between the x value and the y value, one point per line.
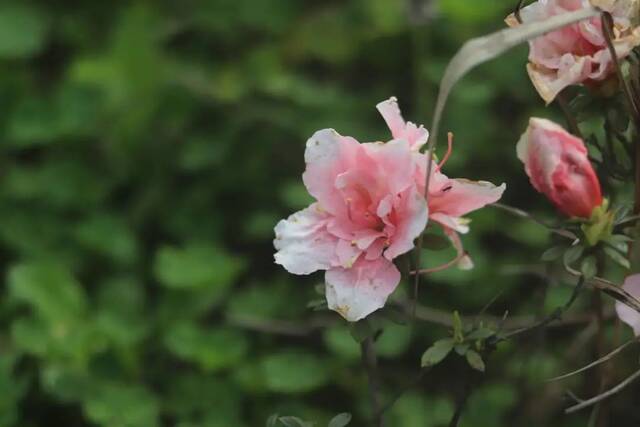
461	196
460	225
558	166
627	314
392	116
395	163
328	154
465	262
303	243
412	216
416	136
362	289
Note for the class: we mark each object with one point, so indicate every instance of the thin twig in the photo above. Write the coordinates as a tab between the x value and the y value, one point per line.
556	315
516	12
461	404
442	267
571	120
594	364
607	26
524	214
603	396
370	361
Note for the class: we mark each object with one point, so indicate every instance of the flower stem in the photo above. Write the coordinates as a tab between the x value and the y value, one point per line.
370	361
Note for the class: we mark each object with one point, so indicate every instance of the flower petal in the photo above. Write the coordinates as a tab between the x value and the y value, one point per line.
461	196
412	213
328	154
303	243
415	135
627	314
362	289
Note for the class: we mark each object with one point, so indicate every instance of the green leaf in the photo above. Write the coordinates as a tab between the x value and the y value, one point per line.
553	254
573	254
340	420
462	349
475	360
196	266
122	405
480	334
589	267
458	332
211	349
435	242
437	352
22	30
294	372
617	257
108	235
50	289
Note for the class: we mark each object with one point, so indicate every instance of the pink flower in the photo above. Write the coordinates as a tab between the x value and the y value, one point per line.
368	211
627	314
558	166
577	53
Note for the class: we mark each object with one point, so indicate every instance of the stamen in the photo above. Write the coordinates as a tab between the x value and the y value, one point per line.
448	153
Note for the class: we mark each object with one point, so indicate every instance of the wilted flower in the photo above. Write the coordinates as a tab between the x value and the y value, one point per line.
627	314
558	166
369	210
577	53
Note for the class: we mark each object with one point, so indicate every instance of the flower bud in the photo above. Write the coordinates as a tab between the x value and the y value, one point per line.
558	166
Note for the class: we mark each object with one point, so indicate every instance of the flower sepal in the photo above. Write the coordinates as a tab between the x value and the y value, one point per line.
599	227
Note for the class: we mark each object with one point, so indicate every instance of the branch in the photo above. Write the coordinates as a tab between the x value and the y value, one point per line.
524	214
594	364
370	362
603	396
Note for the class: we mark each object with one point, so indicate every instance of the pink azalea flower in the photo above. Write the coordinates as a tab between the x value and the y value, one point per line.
368	211
558	166
449	199
627	314
577	53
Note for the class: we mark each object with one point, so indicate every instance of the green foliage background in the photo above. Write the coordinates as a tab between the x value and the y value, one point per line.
148	149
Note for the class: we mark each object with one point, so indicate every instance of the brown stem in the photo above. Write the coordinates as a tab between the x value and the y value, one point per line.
603	396
569	117
607	25
370	361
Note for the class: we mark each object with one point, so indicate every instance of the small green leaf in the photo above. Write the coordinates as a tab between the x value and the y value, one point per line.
589	267
553	254
462	349
475	360
435	242
573	254
480	334
617	257
340	420
437	352
458	334
196	266
294	372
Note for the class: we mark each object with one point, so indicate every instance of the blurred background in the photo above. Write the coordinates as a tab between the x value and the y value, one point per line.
148	148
